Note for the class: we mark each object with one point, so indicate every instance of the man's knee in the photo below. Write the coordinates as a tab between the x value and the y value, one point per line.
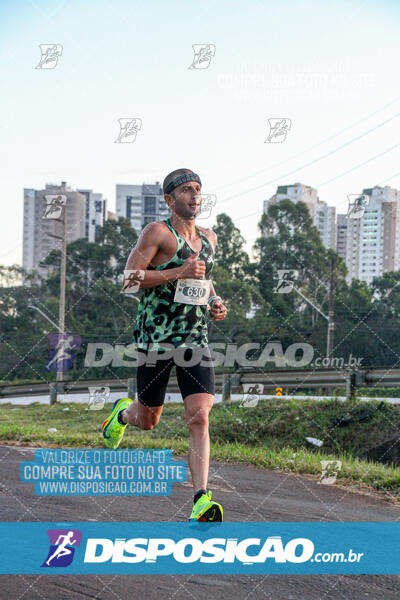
198	418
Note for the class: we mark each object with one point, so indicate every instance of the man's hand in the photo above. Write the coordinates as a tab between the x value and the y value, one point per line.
192	268
218	311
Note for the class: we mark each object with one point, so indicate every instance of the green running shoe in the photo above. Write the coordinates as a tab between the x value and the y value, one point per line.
205	510
113	431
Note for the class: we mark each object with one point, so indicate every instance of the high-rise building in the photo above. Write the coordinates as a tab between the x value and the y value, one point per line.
323	216
96	211
38	241
325	221
141	204
373	239
341	235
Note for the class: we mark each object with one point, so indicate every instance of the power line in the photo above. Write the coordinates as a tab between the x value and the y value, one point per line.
309	163
338	176
311	147
357	166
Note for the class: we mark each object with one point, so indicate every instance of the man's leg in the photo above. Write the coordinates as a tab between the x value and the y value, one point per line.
144	417
152	380
197	409
145	413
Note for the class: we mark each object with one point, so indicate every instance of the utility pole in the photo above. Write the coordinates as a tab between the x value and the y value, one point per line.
61	203
331	323
61	318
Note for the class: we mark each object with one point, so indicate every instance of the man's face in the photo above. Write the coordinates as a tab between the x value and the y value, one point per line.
185	200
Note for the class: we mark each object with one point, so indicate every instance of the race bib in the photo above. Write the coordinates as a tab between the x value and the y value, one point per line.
192	291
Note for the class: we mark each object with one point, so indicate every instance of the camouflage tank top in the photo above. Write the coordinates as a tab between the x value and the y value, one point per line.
160	319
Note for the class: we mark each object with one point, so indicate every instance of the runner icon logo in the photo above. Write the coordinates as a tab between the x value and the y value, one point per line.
63	347
62	547
330	470
128	129
251	394
54	206
203	54
278	130
357	205
50	53
286	280
98	397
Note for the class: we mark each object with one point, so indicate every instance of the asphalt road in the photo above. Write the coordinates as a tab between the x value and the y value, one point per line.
246	493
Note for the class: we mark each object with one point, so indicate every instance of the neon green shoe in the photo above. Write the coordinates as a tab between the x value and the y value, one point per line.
205	510
113	431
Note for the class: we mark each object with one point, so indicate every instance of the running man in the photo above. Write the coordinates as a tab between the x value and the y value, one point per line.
62	549
172	322
64	345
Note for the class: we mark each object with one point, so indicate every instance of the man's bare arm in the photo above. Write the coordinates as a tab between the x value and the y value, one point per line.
142	255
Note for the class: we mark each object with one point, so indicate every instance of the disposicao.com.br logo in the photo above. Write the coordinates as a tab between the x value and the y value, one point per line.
212	550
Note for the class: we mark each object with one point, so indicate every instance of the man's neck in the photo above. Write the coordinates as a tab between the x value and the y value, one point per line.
186	227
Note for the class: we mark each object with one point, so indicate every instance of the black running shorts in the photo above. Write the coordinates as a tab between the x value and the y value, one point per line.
193	377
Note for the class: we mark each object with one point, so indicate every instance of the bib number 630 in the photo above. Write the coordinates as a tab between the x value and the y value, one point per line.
192	291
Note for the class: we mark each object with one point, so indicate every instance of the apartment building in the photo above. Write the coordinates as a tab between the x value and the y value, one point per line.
323	216
37	237
341	236
141	204
96	213
86	212
373	239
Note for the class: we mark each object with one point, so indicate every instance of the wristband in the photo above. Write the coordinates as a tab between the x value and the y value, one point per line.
212	298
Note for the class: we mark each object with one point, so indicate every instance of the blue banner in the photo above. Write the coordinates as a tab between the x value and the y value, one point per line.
175	548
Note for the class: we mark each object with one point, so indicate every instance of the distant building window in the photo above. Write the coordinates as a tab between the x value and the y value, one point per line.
150	204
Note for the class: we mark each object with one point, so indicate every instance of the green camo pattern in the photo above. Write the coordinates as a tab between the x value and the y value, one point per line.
160	319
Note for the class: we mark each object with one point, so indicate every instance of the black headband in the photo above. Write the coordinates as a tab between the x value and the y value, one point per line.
181	179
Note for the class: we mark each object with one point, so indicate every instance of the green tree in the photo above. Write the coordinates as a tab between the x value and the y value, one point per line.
229	252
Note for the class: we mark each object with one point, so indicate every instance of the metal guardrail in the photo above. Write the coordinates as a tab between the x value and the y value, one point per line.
294	379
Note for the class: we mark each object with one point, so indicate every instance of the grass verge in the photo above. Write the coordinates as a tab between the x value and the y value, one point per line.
270	435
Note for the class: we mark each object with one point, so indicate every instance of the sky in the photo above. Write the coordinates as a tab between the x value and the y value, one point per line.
329	67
